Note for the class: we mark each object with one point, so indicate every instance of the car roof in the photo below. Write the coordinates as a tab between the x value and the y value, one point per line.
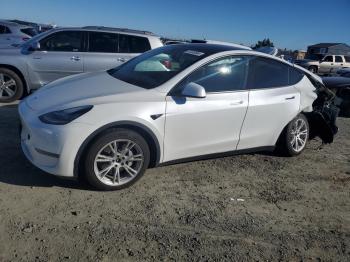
12	24
109	29
196	41
210	48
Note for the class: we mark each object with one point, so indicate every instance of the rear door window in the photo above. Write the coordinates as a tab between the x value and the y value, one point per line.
295	76
4	30
347	59
133	44
338	59
102	42
267	73
65	41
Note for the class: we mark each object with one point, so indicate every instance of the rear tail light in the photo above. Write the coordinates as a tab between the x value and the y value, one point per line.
166	63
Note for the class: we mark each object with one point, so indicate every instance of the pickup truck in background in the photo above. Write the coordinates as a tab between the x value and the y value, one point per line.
330	64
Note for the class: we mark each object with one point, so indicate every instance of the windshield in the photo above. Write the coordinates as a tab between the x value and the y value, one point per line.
29	31
35	38
157	66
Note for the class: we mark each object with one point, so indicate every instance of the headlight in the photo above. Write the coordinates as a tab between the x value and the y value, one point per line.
65	116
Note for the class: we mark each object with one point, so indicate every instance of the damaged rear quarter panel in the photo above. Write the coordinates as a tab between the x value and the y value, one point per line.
307	94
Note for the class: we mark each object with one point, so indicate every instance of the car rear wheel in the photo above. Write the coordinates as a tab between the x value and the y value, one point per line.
295	136
116	160
11	86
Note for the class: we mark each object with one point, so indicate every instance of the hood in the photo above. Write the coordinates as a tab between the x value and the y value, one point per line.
336	82
78	88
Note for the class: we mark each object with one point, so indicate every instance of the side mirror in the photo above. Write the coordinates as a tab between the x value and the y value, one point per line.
194	90
34	46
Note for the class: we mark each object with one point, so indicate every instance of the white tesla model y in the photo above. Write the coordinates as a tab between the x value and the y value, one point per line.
174	103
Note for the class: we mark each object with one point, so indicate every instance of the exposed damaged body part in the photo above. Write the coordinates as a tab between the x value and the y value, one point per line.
322	119
340	86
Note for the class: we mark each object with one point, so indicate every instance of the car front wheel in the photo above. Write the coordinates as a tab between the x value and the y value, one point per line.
295	136
116	160
11	86
313	69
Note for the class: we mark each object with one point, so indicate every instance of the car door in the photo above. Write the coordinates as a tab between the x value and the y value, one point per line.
60	54
273	102
102	51
202	126
5	36
347	61
338	63
326	64
131	46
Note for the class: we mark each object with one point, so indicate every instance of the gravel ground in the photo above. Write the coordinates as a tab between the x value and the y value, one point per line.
248	207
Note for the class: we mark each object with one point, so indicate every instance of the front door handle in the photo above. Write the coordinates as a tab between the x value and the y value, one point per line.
290	98
75	58
234	103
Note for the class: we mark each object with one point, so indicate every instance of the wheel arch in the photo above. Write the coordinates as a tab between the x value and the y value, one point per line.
20	74
143	130
283	131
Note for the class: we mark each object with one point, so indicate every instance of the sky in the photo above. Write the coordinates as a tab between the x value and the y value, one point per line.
291	24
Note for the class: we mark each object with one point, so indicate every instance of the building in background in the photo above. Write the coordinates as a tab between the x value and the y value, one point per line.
318	51
299	54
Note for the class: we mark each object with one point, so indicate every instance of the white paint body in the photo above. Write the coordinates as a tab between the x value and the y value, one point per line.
218	123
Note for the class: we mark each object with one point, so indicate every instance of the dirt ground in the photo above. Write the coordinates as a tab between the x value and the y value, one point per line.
242	208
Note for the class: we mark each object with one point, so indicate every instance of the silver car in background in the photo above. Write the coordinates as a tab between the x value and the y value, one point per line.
62	52
13	34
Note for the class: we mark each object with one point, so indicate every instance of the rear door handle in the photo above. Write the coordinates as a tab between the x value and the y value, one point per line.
121	59
234	103
75	58
290	98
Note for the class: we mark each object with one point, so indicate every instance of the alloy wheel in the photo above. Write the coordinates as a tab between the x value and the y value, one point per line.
118	162
8	87
299	135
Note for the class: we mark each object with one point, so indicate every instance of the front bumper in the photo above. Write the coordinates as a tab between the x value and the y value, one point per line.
49	147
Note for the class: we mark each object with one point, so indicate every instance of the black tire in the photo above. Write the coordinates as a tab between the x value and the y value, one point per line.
285	145
19	86
313	69
119	134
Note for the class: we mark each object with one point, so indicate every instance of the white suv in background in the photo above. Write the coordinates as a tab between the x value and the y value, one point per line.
330	64
13	34
66	51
